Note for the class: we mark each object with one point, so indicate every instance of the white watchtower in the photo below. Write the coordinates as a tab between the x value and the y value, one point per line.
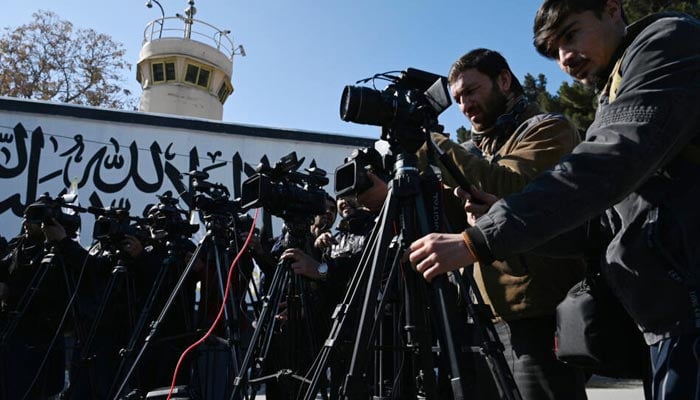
185	66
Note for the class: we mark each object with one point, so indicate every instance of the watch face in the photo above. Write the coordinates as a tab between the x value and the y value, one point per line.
323	269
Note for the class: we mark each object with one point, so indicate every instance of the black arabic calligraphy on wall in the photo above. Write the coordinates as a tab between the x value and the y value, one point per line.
105	169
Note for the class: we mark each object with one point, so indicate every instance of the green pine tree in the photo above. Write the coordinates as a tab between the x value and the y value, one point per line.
463	134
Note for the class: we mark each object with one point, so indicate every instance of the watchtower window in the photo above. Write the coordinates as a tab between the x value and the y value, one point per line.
163	71
203	79
170	71
197	75
224	91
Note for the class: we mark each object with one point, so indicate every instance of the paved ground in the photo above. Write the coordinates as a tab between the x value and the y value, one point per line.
600	389
593	394
615	394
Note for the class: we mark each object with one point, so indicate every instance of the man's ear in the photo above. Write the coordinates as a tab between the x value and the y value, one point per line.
504	78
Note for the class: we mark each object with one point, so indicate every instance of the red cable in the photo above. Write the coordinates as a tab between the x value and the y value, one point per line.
223	305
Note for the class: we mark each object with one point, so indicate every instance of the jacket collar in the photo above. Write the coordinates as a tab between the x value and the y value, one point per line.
519	110
631	33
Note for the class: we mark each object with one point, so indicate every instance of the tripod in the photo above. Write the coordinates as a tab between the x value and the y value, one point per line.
170	270
405	207
49	261
215	244
300	334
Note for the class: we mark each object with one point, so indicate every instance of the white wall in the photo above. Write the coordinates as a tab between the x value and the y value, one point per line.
130	162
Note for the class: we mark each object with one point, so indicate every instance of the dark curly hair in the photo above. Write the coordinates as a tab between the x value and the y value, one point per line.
486	61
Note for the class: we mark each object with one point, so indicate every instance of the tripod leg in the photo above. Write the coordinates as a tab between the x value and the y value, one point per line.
340	316
418	332
144	315
446	338
260	341
154	330
230	310
353	386
9	329
85	355
492	348
24	303
118	274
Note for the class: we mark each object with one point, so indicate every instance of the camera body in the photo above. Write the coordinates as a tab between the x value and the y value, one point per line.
407	110
213	200
351	177
112	225
285	192
45	209
166	220
413	99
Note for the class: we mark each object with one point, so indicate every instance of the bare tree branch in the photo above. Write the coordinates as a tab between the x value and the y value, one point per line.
48	59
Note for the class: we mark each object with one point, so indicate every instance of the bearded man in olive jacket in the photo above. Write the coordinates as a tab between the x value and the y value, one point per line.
512	142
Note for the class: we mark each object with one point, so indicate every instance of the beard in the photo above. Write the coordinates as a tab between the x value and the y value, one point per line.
494	106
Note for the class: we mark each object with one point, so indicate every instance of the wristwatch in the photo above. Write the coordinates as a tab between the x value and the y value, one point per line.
322	270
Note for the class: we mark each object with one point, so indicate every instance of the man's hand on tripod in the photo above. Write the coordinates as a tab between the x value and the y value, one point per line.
439	253
302	263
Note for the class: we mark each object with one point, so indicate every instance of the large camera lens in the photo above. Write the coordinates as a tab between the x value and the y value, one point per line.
366	106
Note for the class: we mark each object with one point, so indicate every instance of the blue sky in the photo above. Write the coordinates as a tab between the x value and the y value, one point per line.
300	54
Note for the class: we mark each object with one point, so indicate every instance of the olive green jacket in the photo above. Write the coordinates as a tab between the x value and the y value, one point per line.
527	285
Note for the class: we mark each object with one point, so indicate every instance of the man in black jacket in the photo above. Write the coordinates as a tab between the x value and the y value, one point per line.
36	287
638	166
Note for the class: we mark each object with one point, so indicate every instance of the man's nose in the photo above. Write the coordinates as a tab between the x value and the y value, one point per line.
464	104
566	57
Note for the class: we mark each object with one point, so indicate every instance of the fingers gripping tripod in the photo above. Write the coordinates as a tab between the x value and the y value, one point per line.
300	336
405	206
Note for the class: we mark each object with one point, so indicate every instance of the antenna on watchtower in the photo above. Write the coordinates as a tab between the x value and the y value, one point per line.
185	65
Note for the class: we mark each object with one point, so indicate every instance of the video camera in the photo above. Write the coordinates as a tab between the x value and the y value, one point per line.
285	192
45	209
211	198
406	110
166	219
414	99
112	225
351	177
